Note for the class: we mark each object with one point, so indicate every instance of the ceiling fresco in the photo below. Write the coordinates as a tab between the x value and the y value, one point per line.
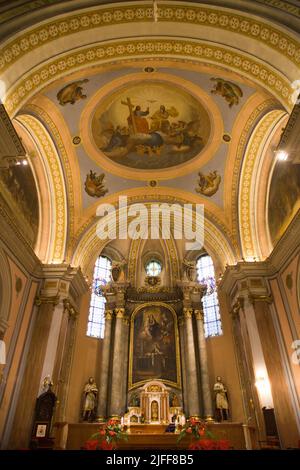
150	125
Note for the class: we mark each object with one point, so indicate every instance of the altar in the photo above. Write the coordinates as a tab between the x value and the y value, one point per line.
155	406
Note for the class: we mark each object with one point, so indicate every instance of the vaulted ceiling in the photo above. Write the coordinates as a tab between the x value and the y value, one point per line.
165	101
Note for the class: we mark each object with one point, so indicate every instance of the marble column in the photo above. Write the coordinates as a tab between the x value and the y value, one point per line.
105	366
191	367
125	365
183	364
115	407
205	386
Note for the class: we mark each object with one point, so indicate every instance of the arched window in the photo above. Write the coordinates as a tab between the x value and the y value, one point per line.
206	275
153	268
102	275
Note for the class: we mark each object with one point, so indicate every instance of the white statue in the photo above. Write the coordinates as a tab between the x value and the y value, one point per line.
90	400
221	399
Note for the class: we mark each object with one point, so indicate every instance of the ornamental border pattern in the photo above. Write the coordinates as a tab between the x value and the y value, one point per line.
197	50
103	16
253	151
58	245
255	116
39	112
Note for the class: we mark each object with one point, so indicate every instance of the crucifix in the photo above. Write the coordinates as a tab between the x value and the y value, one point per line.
132	118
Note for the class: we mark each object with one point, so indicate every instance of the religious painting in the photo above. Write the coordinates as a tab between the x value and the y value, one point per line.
284	197
154	350
18	188
151	125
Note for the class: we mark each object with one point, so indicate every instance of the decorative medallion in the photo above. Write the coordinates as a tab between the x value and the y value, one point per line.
76	140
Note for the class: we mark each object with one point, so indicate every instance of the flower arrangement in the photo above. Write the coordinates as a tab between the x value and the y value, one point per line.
200	437
107	436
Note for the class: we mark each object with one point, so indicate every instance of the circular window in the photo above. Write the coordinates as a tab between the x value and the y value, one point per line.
153	268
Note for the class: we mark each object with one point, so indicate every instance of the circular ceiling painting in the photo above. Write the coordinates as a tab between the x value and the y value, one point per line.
150	126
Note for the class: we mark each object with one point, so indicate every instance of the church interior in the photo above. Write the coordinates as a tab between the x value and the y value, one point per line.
126	129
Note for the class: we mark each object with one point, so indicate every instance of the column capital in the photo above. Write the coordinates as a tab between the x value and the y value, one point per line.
199	314
120	312
108	313
187	312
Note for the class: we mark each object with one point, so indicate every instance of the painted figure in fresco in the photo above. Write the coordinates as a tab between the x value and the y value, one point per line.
221	400
230	91
94	185
160	119
208	184
90	393
71	93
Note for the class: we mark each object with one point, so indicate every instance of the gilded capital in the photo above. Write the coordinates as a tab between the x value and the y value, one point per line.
199	314
108	314
120	312
187	312
267	298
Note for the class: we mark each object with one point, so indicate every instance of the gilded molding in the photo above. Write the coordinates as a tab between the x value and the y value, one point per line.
116	51
258	112
59	198
65	159
108	313
267	298
42	299
248	177
222	19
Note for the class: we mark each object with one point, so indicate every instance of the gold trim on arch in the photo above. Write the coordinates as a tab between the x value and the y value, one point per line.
246	25
118	51
178	368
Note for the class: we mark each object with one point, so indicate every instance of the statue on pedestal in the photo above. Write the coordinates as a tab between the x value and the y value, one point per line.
221	400
90	395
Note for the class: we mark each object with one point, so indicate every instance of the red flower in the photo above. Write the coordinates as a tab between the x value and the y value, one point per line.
206	444
102	432
91	444
189	430
112	433
201	432
104	445
223	444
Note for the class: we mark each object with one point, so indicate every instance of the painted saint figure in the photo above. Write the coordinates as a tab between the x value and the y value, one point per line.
90	400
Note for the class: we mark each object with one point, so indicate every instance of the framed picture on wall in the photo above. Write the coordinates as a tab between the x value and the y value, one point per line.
41	430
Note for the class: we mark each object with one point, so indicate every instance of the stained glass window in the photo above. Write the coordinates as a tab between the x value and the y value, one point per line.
206	275
102	275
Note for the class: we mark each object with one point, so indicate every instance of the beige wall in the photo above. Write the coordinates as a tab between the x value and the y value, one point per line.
15	338
221	361
86	360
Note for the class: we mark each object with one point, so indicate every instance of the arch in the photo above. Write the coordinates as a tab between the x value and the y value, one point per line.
275	44
5	292
217	237
250	223
57	219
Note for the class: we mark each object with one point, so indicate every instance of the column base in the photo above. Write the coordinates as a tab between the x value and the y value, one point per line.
116	417
209	419
101	419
